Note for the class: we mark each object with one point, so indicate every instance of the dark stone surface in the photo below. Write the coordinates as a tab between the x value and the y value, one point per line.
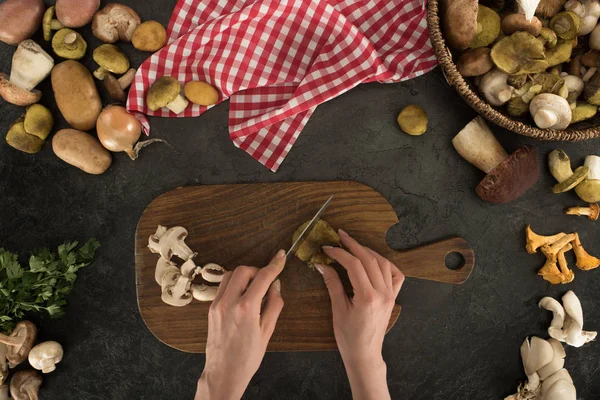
451	342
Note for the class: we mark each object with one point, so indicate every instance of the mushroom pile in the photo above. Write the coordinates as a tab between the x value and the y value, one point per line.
544	359
555	269
585	179
177	283
538	59
14	350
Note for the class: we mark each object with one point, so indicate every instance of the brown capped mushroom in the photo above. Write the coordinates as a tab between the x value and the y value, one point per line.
459	21
25	385
116	87
19	342
110	59
20	19
76	13
475	62
518	22
508	177
166	92
115	22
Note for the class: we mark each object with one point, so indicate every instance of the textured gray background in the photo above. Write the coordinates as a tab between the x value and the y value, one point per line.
451	342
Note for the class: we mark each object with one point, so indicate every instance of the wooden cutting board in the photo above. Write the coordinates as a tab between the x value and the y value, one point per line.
246	224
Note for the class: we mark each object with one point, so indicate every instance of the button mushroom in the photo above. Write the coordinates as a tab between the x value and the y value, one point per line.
169	242
19	342
166	92
69	44
149	36
592	211
25	385
116	87
508	177
176	289
76	13
589	189
550	111
20	19
574	86
45	356
50	24
475	62
494	88
560	168
110	59
115	22
30	65
190	270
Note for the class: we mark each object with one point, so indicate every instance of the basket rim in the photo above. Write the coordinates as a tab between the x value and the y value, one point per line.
458	82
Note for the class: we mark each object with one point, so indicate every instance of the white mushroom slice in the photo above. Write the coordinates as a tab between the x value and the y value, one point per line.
535	353
204	292
190	270
548	382
176	289
169	242
558	318
574	323
162	267
561	390
557	363
45	356
213	273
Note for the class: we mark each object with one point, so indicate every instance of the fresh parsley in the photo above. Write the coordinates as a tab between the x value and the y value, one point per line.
44	285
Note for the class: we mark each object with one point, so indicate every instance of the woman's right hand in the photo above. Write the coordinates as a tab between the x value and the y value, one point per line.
360	322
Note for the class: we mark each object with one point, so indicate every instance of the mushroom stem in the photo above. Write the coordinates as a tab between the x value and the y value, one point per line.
32	393
135	151
545	118
592	211
12	340
4	392
476	144
178	105
593	163
127	78
100	73
70	40
55	25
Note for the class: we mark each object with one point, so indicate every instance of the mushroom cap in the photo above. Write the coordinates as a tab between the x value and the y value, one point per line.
111	58
164	266
204	292
64	46
45	356
563	374
115	22
47	23
213	273
18	138
511	178
76	13
475	62
24	382
20	19
519	53
561	389
572	181
488	27
459	21
550	111
114	89
15	95
38	121
518	22
589	190
162	92
149	36
17	354
535	352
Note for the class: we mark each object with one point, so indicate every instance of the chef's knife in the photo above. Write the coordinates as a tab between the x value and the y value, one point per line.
308	228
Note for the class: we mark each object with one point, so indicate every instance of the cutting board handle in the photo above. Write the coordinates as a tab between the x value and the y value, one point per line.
429	261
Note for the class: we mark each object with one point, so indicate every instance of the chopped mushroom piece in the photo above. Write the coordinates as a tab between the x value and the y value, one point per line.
592	211
45	356
508	177
164	266
560	168
535	241
25	385
212	273
584	260
176	289
169	242
115	22
166	92
204	292
19	342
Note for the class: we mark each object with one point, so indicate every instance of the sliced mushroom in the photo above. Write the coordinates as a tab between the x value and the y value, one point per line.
19	342
25	385
176	289
45	356
164	266
212	273
115	22
169	242
190	270
204	292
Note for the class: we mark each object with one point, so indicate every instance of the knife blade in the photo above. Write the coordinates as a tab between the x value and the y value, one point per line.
308	228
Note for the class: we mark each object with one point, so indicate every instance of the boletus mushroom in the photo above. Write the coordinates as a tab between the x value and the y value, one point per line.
25	385
76	13
116	87
69	44
488	27
518	22
30	65
45	356
519	53
507	177
19	342
166	92
110	59
50	24
560	168
20	19
589	189
115	22
475	62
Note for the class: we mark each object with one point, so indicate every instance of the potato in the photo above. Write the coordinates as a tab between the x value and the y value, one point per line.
76	94
76	13
81	150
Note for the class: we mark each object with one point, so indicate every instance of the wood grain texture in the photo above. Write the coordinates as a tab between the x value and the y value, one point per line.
246	224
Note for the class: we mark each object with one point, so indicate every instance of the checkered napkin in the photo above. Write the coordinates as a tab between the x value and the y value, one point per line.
276	60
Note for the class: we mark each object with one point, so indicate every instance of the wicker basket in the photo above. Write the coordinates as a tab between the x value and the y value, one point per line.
581	131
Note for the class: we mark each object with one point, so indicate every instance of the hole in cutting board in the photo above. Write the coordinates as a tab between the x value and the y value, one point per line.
454	260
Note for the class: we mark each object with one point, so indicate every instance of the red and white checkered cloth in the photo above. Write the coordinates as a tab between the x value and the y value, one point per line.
276	60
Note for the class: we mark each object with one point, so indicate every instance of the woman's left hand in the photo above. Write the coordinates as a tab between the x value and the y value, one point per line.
239	329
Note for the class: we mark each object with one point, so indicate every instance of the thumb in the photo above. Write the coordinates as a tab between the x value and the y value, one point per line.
334	285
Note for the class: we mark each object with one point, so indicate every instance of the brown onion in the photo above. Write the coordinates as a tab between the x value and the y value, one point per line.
118	131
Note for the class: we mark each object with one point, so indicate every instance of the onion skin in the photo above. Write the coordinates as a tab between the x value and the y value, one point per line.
118	130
